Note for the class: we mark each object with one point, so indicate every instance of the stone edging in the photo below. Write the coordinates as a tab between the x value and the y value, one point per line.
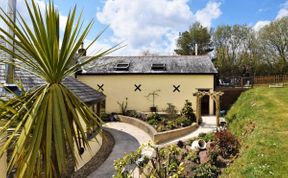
103	153
158	137
140	124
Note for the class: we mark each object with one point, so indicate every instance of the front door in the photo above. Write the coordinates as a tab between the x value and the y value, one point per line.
205	104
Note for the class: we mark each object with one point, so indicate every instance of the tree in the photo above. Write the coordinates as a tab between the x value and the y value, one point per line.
187	41
235	49
274	43
46	121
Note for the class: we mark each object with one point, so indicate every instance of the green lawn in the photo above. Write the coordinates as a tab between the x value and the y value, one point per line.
260	121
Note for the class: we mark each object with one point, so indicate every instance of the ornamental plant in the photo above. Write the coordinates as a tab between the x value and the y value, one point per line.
45	122
187	111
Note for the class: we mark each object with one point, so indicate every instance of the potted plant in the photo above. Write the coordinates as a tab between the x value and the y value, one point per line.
153	94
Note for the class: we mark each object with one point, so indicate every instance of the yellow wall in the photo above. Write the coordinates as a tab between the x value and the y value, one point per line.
95	145
3	166
118	87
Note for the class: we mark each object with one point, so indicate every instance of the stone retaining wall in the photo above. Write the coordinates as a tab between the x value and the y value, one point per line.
158	137
140	124
169	135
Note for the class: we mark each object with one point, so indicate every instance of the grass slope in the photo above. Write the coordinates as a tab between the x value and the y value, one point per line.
260	120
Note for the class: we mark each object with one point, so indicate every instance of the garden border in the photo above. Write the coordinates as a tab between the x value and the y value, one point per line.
158	137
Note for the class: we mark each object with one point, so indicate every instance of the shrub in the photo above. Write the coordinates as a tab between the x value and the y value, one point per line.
161	128
228	144
205	171
187	111
153	119
206	137
132	113
171	124
123	106
171	109
183	121
105	117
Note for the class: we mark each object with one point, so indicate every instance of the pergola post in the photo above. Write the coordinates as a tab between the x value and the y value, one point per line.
198	109
217	101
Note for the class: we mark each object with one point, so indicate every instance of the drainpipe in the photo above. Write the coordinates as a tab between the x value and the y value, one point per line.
196	49
10	69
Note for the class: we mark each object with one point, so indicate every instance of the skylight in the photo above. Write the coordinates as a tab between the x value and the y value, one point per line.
122	66
158	67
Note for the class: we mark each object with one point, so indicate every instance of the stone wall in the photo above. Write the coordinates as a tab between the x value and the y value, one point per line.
158	137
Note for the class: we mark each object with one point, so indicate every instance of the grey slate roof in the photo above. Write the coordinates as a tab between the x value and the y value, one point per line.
84	92
142	65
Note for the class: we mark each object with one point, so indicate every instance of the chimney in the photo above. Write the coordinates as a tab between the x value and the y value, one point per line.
82	50
196	49
10	69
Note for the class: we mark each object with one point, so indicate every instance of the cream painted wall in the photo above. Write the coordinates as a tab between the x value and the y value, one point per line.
118	87
3	166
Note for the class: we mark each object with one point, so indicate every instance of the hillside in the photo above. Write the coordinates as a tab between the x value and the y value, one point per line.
259	119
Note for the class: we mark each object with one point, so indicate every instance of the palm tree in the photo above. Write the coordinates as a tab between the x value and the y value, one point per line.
47	120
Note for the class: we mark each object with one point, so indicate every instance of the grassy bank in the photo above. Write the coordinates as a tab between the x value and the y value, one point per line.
260	120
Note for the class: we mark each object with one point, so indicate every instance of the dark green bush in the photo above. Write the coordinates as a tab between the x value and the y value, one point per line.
153	119
183	121
187	111
105	117
207	137
206	171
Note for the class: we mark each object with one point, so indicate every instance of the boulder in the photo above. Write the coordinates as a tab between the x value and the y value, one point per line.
204	157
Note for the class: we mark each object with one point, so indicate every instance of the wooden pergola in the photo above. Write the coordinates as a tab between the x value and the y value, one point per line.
215	96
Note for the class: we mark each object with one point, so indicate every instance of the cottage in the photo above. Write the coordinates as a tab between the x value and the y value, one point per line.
172	78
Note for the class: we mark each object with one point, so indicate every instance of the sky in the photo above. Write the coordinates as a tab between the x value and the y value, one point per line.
154	25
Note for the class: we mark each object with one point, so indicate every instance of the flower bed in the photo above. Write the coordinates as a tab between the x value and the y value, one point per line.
168	121
158	137
181	160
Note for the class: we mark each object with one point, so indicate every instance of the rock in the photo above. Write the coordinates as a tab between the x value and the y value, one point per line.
204	157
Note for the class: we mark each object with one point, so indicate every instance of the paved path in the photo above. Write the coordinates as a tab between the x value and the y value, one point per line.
127	139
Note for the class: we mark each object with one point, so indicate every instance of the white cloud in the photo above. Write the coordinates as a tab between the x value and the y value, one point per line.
283	12
260	24
210	12
62	21
152	25
21	8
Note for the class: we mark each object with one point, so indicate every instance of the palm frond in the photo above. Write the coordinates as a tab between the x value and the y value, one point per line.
46	121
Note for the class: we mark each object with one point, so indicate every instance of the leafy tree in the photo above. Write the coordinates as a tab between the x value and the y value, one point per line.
236	50
46	121
197	34
274	43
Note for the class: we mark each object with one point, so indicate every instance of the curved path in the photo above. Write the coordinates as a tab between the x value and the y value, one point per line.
127	139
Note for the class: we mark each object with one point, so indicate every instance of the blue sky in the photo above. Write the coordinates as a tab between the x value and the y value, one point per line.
154	25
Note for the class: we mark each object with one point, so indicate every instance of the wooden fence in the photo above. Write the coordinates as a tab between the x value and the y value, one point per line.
250	81
270	79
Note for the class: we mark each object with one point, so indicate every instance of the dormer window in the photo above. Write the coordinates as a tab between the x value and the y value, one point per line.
158	67
122	66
